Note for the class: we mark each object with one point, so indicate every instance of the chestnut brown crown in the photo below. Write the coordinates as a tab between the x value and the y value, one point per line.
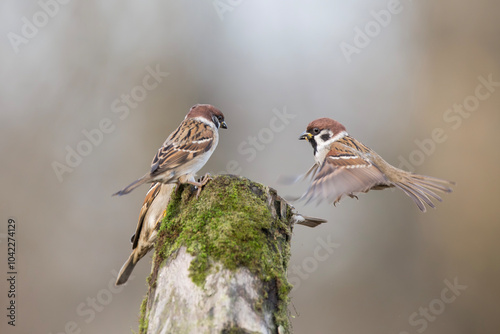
209	112
319	124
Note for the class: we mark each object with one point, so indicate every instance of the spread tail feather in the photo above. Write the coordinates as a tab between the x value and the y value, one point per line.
421	188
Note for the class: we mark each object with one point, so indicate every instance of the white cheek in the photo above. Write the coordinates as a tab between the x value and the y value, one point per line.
324	146
337	137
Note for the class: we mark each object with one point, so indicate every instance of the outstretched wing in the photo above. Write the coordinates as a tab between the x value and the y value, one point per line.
191	139
288	179
344	172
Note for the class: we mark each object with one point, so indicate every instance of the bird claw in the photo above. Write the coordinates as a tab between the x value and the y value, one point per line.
198	192
201	183
207	177
351	195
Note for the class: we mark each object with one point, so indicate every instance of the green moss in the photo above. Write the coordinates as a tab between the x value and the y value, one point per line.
143	318
231	224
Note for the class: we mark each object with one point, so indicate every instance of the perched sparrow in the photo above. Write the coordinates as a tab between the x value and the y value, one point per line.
143	240
345	166
186	150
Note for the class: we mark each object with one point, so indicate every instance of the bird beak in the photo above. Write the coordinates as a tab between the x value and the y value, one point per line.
306	135
223	125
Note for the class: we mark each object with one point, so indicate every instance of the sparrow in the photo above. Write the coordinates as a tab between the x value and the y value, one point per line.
186	150
150	216
344	166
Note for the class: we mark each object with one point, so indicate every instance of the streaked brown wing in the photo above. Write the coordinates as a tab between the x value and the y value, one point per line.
150	197
297	178
190	139
344	172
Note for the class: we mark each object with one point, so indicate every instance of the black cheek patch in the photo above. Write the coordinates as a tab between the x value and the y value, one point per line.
325	137
314	145
216	121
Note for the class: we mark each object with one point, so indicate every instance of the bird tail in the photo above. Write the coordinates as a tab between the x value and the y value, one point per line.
133	185
422	188
126	270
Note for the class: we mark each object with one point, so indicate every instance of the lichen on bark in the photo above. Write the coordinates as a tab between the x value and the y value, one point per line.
232	226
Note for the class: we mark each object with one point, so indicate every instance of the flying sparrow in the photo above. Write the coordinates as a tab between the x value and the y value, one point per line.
344	166
186	150
143	240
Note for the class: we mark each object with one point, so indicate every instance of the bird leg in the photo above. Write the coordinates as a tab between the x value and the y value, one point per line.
351	195
201	183
207	177
177	188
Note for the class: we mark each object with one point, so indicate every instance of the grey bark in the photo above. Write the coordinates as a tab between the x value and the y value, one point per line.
225	304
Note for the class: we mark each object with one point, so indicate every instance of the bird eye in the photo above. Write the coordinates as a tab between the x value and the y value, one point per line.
315	131
219	118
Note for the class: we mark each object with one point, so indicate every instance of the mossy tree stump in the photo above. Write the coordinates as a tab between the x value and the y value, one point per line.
221	260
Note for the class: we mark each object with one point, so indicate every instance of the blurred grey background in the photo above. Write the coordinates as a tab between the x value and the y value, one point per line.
409	79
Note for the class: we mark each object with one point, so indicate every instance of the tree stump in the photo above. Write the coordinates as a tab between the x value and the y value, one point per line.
220	262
